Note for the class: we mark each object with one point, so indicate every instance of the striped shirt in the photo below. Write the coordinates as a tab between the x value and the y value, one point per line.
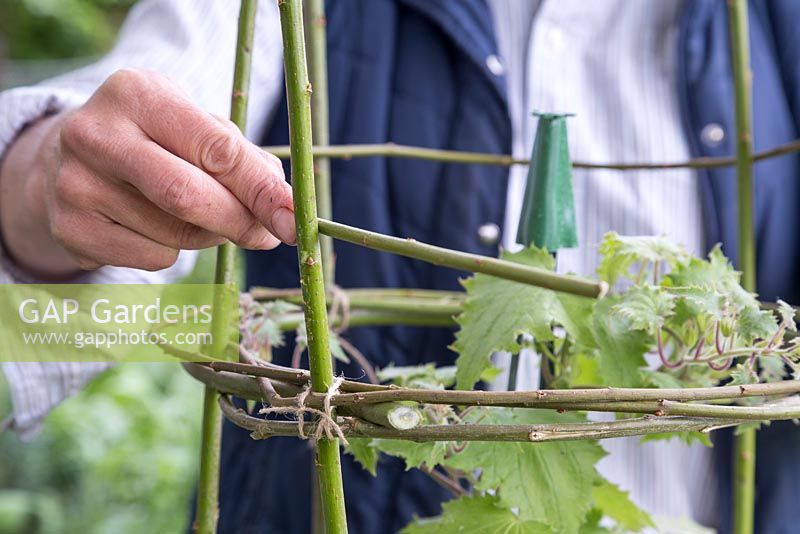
611	62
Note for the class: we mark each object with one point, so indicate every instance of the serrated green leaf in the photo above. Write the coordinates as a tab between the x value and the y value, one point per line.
497	311
717	274
401	374
415	455
621	347
475	515
788	314
549	482
753	324
646	307
742	374
365	454
616	504
427	376
620	253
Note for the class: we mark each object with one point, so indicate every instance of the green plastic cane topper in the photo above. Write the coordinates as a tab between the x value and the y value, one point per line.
548	209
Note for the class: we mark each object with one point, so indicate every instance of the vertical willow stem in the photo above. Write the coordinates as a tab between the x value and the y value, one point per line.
224	303
298	91
744	460
316	37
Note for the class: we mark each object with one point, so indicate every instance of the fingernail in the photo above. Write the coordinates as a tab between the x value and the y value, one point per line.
283	225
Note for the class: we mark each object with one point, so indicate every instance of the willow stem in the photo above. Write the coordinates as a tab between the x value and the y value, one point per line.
316	37
465	261
440	303
453	156
224	303
359	393
262	429
401	415
298	90
745	447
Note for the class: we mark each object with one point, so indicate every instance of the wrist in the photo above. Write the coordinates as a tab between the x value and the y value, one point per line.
24	221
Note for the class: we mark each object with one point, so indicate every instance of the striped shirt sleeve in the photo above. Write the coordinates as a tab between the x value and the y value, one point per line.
193	43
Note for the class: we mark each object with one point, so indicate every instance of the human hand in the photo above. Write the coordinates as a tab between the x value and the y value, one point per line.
132	177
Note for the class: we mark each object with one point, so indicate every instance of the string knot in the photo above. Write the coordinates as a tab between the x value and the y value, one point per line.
326	426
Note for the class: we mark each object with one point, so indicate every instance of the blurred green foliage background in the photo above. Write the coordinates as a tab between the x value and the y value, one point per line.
59	29
42	38
120	457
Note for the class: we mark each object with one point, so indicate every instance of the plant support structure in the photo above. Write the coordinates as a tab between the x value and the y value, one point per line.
744	470
298	90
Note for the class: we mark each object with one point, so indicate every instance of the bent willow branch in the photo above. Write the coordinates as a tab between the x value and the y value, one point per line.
504	160
263	429
464	261
660	403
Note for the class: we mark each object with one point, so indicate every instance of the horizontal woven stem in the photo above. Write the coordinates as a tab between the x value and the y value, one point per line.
361	393
564	397
771	412
375	318
262	429
352	404
389	414
464	261
415	302
504	160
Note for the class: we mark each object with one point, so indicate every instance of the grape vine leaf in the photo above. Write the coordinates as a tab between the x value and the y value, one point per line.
415	455
549	482
616	504
755	324
621	347
646	307
717	273
497	311
787	314
619	253
476	515
364	452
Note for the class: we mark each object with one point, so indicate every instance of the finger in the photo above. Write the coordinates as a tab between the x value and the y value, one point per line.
117	246
197	137
130	209
189	194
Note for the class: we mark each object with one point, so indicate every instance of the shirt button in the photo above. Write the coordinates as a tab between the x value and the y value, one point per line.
495	65
489	234
712	135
